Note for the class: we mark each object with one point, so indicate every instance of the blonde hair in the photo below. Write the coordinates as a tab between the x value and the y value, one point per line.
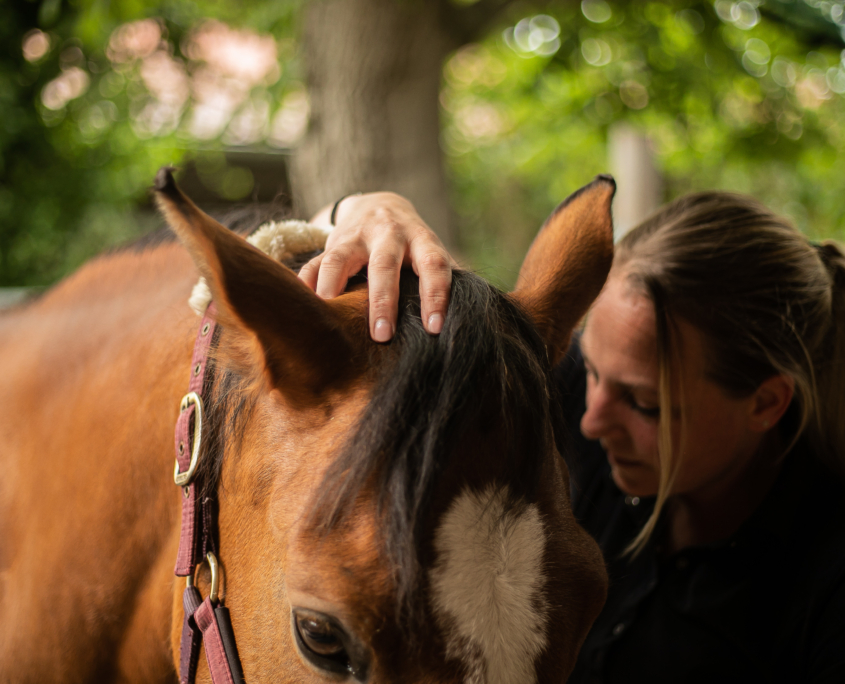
766	301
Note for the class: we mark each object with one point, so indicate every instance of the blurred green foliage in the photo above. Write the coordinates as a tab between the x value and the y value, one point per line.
73	176
742	95
730	96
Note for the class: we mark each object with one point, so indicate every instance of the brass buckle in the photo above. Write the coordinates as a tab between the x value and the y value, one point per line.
184	479
213	565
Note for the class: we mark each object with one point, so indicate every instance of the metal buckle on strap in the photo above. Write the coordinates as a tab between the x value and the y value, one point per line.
213	593
184	479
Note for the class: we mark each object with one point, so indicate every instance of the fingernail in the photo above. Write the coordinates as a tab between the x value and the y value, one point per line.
382	331
435	323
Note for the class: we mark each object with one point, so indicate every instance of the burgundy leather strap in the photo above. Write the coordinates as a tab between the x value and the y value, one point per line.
193	540
186	559
203	620
189	650
215	653
202	345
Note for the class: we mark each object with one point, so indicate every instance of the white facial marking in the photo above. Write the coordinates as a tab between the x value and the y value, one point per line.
487	587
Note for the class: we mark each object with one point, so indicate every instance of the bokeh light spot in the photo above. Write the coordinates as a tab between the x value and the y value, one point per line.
597	11
67	86
35	45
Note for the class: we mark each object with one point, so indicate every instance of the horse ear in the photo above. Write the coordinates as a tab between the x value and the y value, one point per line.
567	264
305	341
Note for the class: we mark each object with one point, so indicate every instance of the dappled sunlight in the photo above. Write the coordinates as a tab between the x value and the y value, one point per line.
728	93
596	52
726	97
744	15
291	120
242	55
135	40
536	35
250	124
216	99
167	81
597	11
475	64
35	45
633	94
165	77
215	88
479	120
813	90
232	64
67	86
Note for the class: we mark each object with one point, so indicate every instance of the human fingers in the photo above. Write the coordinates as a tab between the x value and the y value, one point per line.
432	263
383	281
337	264
310	271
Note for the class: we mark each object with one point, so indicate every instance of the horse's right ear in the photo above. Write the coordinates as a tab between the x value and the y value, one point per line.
567	264
306	342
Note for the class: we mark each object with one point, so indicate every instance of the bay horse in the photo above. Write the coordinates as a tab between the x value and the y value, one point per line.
385	512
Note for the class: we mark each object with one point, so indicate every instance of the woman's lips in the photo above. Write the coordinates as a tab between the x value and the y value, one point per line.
622	461
618	457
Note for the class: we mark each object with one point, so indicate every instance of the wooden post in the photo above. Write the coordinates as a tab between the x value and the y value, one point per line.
639	183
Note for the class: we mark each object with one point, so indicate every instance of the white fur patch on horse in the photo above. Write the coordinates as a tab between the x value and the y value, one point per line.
487	587
281	240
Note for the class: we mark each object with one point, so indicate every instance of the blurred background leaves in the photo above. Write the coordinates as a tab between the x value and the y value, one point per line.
729	98
96	95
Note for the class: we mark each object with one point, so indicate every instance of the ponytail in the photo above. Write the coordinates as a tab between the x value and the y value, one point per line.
827	432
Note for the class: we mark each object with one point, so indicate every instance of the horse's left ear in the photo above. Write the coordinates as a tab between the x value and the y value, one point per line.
306	343
567	264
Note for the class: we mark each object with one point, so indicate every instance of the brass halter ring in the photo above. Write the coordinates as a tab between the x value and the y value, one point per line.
184	479
213	594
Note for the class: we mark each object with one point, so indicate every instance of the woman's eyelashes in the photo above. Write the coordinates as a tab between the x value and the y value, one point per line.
628	396
647	411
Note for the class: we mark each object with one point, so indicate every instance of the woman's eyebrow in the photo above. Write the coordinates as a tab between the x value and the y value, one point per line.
635	387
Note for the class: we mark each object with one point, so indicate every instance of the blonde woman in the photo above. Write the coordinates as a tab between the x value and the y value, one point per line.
706	397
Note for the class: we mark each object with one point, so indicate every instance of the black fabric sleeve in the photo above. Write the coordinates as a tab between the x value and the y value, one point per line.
827	659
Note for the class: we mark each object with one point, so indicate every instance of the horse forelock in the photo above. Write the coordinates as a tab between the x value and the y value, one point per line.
486	371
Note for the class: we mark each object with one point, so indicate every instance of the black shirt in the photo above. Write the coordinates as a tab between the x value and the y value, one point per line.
765	605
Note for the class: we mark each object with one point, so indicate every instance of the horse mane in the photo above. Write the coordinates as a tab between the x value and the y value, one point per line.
487	366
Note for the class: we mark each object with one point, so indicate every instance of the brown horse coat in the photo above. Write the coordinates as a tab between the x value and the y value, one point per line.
92	374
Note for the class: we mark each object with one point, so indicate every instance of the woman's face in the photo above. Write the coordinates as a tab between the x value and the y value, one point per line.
620	350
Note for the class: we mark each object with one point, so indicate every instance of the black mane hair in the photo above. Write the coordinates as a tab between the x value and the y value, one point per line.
435	386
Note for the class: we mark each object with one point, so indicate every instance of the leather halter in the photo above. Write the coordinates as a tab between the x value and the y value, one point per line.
207	618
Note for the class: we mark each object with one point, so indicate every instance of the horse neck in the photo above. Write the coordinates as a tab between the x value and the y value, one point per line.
95	370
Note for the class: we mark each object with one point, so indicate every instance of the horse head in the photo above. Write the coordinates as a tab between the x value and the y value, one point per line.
398	512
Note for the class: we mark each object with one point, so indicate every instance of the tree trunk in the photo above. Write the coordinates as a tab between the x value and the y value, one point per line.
373	70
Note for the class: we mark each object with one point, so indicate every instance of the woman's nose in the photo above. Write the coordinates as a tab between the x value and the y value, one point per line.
598	418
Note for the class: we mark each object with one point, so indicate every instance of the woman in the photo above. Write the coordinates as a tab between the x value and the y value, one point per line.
709	388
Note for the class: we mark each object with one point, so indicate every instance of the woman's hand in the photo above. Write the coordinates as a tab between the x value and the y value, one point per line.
383	231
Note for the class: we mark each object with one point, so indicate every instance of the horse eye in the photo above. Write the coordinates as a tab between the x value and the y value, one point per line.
321	642
319	636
